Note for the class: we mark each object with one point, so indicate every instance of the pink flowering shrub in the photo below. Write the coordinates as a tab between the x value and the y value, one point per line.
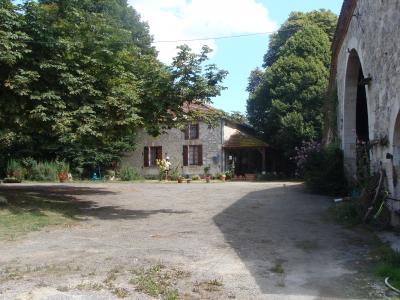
321	167
303	153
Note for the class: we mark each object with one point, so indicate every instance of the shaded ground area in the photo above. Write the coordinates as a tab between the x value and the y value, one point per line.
188	241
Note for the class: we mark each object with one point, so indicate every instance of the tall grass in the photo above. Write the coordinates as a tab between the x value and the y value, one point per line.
44	171
129	174
389	266
15	170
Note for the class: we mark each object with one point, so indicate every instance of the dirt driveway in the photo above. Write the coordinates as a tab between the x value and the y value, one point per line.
188	241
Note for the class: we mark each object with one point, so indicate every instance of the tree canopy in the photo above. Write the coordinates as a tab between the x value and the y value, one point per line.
81	77
286	99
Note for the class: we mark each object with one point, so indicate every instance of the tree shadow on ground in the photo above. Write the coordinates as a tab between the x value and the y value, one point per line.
70	202
290	249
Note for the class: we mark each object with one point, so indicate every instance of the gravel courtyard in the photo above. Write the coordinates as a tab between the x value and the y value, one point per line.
188	241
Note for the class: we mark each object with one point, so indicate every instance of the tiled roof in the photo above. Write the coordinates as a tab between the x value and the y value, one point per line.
242	140
196	106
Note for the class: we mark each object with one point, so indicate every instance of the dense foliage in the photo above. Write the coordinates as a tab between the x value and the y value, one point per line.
322	168
81	76
286	99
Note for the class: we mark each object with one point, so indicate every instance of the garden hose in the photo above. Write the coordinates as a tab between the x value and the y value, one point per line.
391	286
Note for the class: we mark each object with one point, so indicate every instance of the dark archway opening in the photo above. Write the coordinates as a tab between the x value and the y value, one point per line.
362	130
362	127
355	120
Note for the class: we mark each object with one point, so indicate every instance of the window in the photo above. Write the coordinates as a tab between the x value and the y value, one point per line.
192	132
193	155
151	154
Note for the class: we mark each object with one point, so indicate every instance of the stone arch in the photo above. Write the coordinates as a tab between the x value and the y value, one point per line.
355	113
396	157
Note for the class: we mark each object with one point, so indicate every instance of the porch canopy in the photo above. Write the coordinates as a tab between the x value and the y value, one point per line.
245	153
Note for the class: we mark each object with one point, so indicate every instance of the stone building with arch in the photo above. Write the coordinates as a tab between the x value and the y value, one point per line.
365	73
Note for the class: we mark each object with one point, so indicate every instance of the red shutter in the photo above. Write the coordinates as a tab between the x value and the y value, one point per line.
187	132
146	162
197	131
200	152
159	152
185	154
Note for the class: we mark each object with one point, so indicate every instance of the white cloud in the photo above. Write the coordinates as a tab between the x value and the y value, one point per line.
183	19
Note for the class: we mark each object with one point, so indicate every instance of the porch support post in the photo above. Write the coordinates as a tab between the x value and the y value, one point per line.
262	151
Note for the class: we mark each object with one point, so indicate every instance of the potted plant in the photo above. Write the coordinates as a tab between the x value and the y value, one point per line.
110	175
15	172
180	179
207	175
62	171
222	177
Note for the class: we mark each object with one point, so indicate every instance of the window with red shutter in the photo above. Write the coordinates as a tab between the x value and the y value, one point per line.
185	155
159	152
151	154
192	132
200	150
195	155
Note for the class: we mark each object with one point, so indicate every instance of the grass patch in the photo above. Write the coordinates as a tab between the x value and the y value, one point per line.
90	286
26	212
120	292
213	285
158	281
388	264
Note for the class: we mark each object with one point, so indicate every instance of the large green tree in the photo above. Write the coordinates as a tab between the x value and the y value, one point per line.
90	78
286	105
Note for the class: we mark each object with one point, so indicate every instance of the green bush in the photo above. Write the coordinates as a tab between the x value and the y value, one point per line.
324	171
271	176
15	170
128	174
174	174
62	167
195	177
44	171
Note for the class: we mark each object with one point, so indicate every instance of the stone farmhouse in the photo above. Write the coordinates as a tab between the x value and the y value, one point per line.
221	147
366	75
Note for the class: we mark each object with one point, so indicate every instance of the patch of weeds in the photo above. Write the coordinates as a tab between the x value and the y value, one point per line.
213	285
90	286
120	292
111	277
347	213
277	268
307	245
388	264
157	281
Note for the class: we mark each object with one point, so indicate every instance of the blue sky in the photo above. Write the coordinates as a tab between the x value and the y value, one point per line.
241	55
194	19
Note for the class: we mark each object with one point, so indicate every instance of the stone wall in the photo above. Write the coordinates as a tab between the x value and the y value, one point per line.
172	142
374	35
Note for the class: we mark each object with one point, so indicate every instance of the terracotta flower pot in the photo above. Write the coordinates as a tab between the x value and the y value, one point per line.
180	180
63	177
188	180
